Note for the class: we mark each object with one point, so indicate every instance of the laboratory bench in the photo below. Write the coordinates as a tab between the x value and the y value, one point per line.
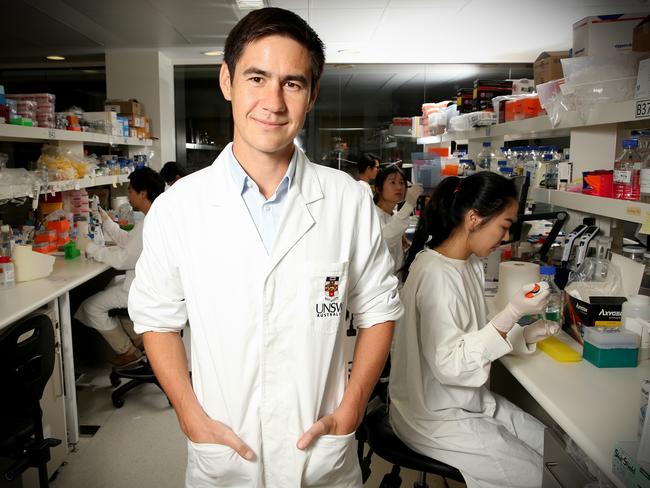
596	407
51	296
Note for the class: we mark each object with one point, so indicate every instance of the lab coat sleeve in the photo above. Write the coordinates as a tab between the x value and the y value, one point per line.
156	297
115	233
121	257
396	226
373	296
519	345
455	357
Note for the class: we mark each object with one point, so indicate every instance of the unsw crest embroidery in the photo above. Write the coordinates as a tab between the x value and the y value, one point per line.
332	306
331	288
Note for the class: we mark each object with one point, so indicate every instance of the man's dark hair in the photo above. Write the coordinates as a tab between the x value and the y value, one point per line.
274	21
170	171
147	179
365	161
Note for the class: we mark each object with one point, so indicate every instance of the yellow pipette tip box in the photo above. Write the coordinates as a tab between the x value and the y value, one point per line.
559	351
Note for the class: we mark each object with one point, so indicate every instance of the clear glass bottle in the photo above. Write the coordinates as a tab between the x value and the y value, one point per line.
645	281
7	241
627	172
486	158
644	180
8	275
635	253
554	306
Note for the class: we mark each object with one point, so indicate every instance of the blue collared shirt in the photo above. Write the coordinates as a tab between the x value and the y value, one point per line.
266	214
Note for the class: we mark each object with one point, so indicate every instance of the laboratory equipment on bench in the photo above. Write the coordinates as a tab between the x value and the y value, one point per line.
583	243
559	219
569	242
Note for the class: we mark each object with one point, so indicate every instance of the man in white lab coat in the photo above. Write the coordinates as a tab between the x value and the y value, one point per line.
144	187
367	167
263	252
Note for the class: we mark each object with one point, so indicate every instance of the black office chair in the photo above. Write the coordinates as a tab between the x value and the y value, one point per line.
139	373
376	431
26	364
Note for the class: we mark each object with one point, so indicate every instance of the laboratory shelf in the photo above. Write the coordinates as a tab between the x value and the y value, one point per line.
21	191
541	128
630	211
18	133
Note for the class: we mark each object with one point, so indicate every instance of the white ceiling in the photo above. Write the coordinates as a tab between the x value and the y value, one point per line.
354	31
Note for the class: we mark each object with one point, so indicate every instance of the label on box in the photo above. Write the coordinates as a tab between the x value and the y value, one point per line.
623	176
642	109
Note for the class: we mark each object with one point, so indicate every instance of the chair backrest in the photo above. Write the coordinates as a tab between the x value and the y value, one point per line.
26	364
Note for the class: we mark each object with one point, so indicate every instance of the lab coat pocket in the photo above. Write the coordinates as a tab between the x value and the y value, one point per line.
213	465
332	463
327	289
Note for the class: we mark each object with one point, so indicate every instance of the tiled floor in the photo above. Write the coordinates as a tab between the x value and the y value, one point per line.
140	445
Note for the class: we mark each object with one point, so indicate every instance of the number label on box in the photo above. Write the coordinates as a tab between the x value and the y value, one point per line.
642	109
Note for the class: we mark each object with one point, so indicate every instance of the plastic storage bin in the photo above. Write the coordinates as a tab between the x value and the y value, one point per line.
605	349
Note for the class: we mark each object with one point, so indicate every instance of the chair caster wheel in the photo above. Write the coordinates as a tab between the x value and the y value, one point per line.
115	380
118	402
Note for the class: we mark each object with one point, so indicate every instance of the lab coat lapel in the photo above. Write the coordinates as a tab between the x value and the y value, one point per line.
297	218
223	193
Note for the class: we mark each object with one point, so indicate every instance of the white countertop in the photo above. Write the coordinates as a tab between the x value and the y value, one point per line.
25	297
595	406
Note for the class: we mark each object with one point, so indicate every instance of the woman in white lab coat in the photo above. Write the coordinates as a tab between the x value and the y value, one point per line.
390	190
444	346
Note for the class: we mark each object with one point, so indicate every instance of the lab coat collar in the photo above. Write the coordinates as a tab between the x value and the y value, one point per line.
224	190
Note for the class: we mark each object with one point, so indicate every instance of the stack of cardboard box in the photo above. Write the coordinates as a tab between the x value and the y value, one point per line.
139	124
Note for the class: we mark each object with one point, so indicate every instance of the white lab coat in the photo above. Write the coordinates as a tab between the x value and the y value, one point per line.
267	354
93	312
366	186
441	358
393	227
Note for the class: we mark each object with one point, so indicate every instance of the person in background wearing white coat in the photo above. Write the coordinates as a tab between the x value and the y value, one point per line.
144	187
390	189
367	168
270	403
444	346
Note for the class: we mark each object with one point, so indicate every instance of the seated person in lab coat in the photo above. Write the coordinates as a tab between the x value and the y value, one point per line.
444	346
367	167
390	189
144	187
171	172
270	403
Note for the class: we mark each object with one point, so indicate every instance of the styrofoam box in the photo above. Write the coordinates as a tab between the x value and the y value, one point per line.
605	34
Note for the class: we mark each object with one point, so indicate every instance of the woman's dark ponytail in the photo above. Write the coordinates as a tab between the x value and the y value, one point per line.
485	192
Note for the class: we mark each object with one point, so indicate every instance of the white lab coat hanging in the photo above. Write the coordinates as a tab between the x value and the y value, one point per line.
267	331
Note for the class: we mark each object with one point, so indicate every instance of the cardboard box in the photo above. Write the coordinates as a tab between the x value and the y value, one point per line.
129	107
601	312
464	97
604	35
547	66
486	90
641	36
109	118
136	121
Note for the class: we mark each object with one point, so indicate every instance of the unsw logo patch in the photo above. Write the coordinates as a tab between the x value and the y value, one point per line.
332	306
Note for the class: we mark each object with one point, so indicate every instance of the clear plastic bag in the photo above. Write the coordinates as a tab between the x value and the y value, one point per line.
554	101
595	277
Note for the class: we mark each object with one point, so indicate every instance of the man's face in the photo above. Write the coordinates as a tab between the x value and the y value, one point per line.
136	198
271	94
374	170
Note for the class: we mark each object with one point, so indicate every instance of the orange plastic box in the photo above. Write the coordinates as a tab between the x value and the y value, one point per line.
524	108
